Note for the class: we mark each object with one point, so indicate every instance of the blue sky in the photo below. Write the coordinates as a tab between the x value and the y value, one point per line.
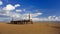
45	8
48	6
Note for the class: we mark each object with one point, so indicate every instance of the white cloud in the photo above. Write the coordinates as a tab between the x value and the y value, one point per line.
36	19
3	19
9	7
32	15
36	14
1	2
56	17
22	16
13	14
19	10
2	14
17	5
50	18
53	18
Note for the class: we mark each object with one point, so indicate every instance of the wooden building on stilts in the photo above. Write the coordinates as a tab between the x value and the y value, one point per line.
22	21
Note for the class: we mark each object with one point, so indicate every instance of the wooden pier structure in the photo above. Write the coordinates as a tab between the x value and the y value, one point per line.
22	21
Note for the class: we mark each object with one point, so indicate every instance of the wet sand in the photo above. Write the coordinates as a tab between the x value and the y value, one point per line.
36	28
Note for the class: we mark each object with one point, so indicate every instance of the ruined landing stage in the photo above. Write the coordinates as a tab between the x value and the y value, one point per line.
22	21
